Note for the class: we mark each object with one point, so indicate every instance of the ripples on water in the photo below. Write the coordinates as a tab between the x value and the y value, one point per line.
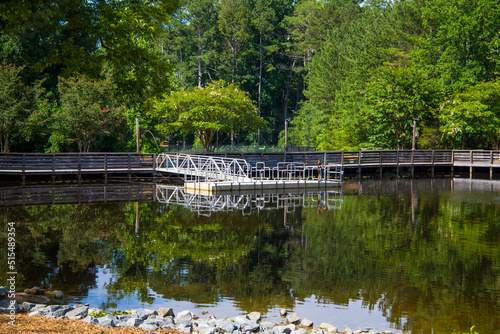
417	256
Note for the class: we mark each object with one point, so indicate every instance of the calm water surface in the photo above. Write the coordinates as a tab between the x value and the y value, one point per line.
417	256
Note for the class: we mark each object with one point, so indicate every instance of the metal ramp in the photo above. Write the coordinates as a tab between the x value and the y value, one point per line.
200	168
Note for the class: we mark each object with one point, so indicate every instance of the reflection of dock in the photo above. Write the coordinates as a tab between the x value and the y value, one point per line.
249	201
76	194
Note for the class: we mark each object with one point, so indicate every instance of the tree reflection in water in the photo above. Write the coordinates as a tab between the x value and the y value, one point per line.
424	253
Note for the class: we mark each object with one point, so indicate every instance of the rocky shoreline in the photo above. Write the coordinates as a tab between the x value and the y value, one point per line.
184	321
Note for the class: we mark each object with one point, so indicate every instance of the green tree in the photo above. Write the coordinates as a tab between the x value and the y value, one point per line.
88	116
461	41
218	107
234	25
13	103
472	118
398	96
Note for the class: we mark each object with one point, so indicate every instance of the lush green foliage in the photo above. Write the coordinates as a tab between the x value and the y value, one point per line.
205	112
347	74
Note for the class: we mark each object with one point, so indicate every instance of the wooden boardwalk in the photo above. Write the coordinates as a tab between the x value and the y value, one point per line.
25	164
407	162
449	162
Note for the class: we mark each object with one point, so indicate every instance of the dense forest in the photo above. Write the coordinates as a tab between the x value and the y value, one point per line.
345	75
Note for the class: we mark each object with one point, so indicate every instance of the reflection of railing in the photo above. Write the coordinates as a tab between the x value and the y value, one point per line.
81	194
204	168
246	203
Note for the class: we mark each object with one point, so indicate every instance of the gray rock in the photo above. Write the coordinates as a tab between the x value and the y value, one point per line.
148	327
293	318
4	291
328	327
186	330
225	326
156	322
319	331
26	307
208	330
78	312
107	321
143	313
357	331
266	325
283	312
62	311
90	320
52	308
387	332
347	331
58	294
200	324
299	331
34	291
184	323
306	323
250	326
165	312
8	305
282	330
255	316
124	317
372	331
133	322
184	316
168	326
38	307
34	313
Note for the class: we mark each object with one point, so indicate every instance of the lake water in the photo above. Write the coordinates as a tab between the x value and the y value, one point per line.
414	256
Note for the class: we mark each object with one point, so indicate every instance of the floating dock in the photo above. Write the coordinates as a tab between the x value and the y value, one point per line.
264	186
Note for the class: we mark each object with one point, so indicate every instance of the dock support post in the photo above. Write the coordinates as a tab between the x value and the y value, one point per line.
380	172
491	173
470	172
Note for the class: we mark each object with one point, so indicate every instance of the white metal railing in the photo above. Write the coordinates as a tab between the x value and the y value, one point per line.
247	203
287	171
207	168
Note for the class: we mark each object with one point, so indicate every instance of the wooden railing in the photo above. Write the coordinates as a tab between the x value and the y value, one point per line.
51	163
376	158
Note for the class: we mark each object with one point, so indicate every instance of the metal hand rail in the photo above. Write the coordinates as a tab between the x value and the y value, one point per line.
209	168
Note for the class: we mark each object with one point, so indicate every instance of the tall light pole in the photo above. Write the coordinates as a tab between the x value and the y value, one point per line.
286	135
137	132
293	129
414	132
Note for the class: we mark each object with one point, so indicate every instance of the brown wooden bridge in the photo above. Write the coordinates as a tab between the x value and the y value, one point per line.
77	164
354	163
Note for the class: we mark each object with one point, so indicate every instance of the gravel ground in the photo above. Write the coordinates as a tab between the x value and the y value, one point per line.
40	325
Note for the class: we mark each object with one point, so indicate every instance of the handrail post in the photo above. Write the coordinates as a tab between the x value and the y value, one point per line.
471	157
105	163
53	162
